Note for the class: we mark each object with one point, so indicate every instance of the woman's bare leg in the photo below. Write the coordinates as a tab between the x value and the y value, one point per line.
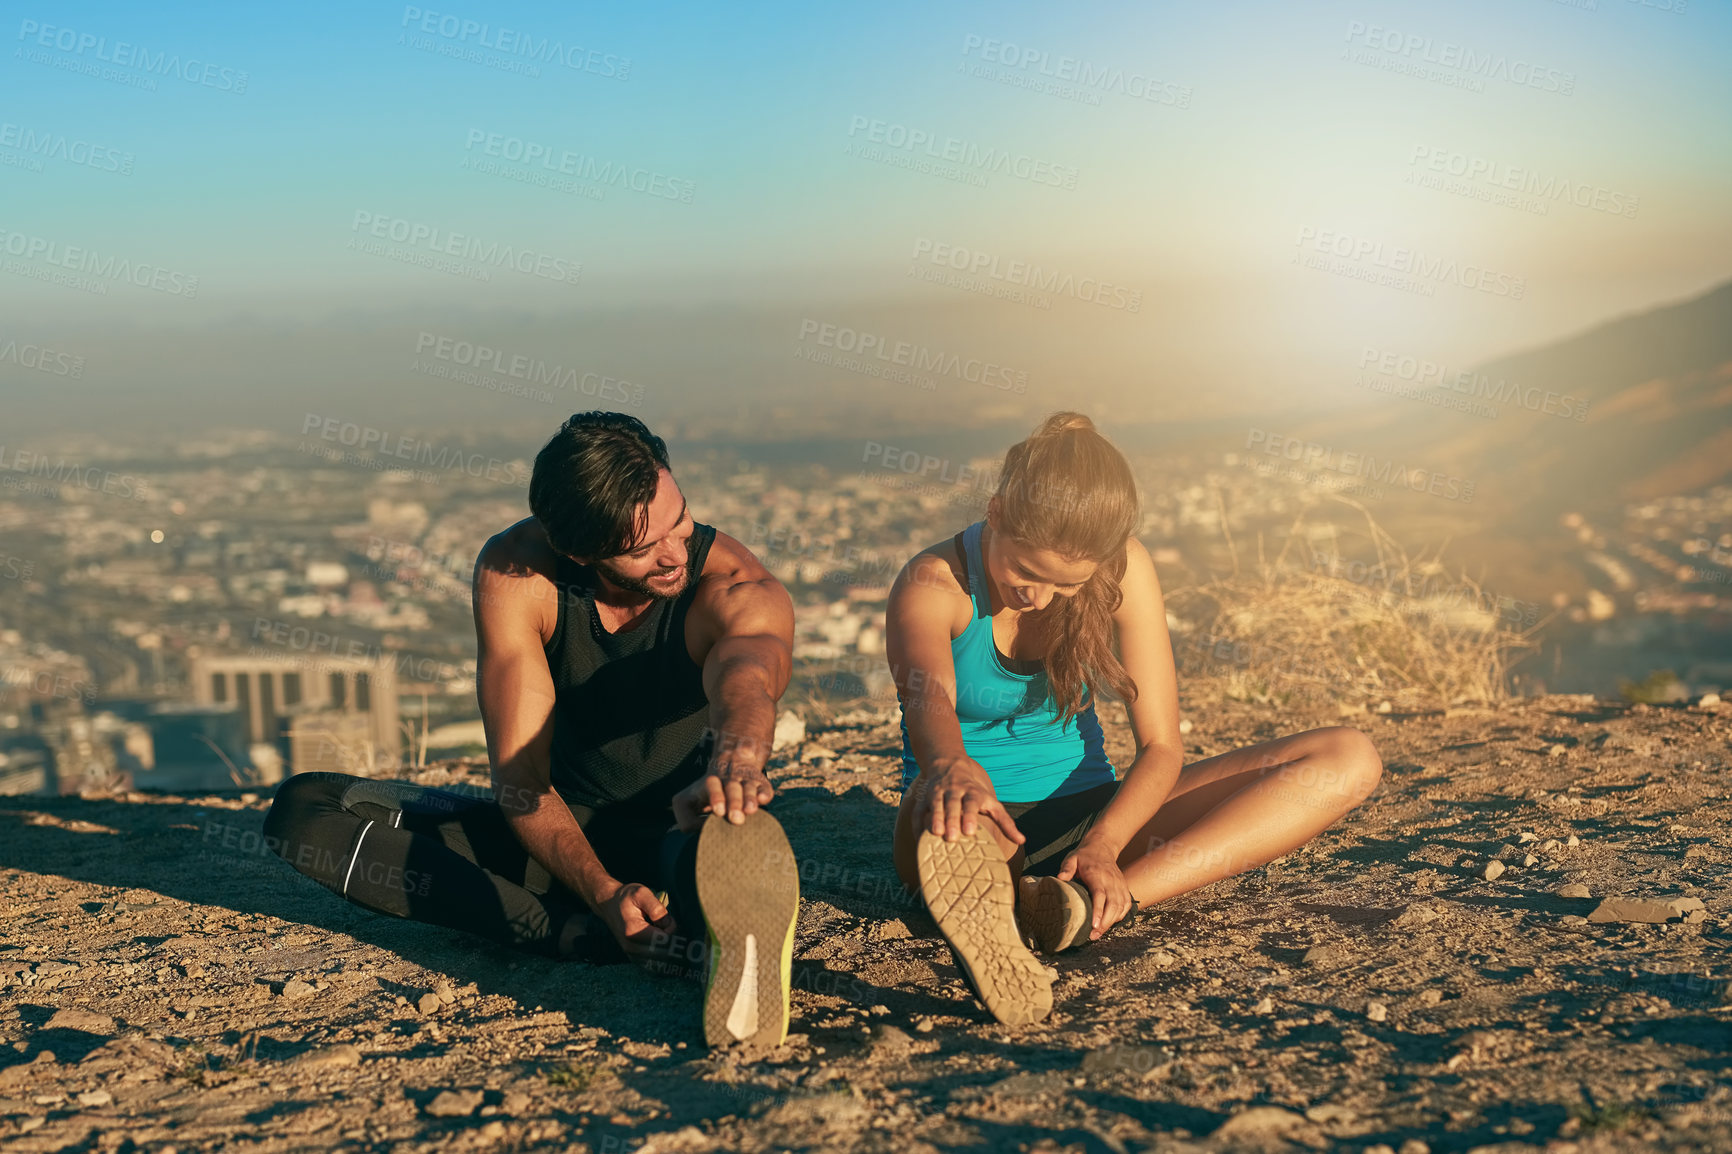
1239	810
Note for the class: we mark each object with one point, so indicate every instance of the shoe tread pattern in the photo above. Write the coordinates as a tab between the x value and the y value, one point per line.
966	885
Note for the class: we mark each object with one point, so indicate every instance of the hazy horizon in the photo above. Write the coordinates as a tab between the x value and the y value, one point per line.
1520	175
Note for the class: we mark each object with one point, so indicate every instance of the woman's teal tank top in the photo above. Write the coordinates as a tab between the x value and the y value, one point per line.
1009	722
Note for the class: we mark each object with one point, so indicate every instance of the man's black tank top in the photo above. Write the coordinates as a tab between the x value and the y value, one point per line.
630	720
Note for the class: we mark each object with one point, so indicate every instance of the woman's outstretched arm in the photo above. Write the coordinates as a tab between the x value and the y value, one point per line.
952	789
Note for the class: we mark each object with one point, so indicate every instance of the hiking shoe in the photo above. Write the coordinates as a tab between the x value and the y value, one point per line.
749	890
1054	915
967	887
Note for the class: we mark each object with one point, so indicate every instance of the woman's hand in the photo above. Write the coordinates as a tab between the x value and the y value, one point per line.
1096	866
952	799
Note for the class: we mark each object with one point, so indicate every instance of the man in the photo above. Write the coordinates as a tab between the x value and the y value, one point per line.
630	661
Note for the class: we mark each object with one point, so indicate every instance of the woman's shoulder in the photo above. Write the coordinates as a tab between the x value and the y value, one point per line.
939	566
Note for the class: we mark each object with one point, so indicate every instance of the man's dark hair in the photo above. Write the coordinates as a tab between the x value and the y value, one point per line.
593	483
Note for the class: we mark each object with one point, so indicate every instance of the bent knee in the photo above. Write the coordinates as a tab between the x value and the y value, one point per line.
1356	757
299	801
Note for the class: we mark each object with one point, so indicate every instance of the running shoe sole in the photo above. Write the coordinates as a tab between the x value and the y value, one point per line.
966	885
1055	914
749	889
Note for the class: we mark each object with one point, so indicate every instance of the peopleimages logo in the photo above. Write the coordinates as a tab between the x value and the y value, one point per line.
441	242
1023	274
1363	258
110	268
1086	76
906	355
1414	50
1364	466
126	55
42	145
1500	178
510	42
973	159
44	360
1423	373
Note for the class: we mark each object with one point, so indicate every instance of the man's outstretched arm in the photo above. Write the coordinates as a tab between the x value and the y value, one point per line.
744	623
516	693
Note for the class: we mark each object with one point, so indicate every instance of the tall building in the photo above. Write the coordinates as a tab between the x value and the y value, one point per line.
268	692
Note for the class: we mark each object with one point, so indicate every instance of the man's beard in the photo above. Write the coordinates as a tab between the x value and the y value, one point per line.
641	584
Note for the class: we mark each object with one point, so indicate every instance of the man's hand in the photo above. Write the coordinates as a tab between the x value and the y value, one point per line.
1097	868
954	797
636	918
733	791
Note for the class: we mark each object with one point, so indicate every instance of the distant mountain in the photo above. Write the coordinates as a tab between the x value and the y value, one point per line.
1634	408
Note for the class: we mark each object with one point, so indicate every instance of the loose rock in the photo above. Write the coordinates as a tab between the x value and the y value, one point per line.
1492	871
1652	913
295	990
454	1103
1259	1122
329	1057
1573	890
1376	1011
86	1021
429	1003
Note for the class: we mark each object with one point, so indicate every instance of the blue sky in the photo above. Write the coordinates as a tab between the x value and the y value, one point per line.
1261	130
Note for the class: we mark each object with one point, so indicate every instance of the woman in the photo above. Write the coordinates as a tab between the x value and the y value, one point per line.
1000	640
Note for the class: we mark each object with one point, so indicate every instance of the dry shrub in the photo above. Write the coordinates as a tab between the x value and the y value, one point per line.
1318	628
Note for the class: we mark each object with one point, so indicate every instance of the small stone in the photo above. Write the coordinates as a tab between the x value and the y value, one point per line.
1329	1112
790	730
446	994
892	1039
1630	910
1556	751
1492	871
1376	1011
1322	957
85	1021
1708	700
1573	890
329	1057
1550	844
429	1003
454	1103
296	989
1527	836
1185	725
1259	1123
1161	957
1574	920
95	1098
1696	917
812	751
1685	905
1378	1148
1695	851
1431	997
923	1026
894	930
1572	840
1529	860
514	1103
1266	1006
1414	1146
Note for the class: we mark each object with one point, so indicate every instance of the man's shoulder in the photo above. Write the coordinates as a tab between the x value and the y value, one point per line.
516	566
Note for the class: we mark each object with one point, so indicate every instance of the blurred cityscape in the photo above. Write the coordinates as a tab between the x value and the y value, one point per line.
213	617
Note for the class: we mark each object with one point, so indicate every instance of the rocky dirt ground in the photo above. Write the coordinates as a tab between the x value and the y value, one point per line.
165	985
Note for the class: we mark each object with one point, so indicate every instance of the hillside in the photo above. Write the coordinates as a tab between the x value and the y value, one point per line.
164	986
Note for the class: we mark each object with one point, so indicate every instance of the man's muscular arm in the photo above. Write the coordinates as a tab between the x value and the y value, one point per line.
515	688
743	635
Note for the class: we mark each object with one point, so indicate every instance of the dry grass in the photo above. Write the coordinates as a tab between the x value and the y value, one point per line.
1310	626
